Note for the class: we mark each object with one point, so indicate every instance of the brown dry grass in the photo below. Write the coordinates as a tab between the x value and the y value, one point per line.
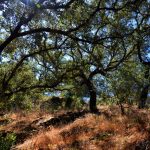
95	132
107	131
19	120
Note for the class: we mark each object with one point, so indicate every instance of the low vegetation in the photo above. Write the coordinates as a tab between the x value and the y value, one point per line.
105	130
7	141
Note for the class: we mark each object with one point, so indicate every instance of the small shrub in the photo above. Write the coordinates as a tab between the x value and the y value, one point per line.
52	104
8	141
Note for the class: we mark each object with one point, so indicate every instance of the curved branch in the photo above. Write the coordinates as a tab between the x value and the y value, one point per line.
47	5
14	33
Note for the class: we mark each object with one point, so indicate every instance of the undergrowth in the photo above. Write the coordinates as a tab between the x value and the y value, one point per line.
7	141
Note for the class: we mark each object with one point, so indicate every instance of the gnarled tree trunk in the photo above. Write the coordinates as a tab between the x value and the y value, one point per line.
92	92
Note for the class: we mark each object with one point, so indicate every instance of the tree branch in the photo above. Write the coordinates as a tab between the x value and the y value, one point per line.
139	43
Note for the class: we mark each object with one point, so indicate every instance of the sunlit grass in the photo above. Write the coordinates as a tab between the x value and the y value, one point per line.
109	130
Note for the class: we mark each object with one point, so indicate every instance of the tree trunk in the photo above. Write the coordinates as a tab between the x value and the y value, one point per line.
143	97
92	105
92	92
144	92
121	108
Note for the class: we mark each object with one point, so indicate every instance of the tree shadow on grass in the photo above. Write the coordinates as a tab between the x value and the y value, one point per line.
64	119
140	145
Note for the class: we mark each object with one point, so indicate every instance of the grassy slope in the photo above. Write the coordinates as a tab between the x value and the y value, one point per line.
108	131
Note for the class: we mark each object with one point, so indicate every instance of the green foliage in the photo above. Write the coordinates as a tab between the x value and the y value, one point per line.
107	100
24	101
8	141
52	104
51	44
126	83
22	78
79	103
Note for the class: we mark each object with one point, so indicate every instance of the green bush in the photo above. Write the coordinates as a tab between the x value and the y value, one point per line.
8	141
52	104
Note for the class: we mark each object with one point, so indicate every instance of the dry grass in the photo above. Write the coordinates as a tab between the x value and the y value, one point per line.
19	120
107	131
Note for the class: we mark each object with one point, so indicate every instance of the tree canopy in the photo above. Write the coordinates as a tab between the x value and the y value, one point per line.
50	44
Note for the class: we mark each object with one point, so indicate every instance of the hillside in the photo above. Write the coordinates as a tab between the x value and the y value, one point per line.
107	130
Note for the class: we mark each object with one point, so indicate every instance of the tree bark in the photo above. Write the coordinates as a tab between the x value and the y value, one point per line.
93	99
121	108
143	97
92	92
144	92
